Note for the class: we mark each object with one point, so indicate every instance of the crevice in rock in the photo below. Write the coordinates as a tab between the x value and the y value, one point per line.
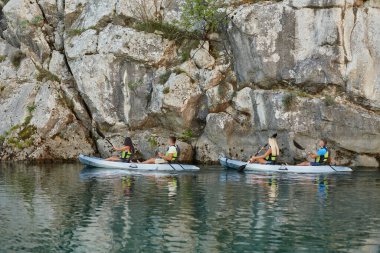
42	11
82	101
316	7
343	37
347	98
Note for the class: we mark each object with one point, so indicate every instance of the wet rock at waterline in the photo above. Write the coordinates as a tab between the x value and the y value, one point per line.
72	72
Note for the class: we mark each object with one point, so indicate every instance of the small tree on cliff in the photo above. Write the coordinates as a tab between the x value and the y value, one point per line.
201	15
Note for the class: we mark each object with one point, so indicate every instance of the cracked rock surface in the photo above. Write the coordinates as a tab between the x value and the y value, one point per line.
74	71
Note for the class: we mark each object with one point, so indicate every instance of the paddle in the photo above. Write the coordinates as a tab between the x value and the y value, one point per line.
176	160
241	168
168	161
103	136
297	145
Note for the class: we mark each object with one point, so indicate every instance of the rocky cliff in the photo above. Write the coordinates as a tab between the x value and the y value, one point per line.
74	72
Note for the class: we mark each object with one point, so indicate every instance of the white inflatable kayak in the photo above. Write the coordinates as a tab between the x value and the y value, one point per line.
101	163
236	164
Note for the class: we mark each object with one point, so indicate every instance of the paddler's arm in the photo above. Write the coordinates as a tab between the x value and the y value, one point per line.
312	155
169	157
269	151
125	148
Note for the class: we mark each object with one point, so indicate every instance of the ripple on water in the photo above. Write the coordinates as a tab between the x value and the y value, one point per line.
69	210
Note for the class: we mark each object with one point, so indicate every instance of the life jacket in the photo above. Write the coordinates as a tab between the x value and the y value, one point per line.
323	158
175	155
270	157
126	154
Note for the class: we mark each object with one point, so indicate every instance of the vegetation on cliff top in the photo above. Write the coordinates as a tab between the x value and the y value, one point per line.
198	18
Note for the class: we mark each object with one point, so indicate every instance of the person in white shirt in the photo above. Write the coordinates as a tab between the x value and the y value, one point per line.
170	155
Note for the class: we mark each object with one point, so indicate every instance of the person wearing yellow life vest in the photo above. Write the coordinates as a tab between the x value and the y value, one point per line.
170	155
126	151
270	155
320	158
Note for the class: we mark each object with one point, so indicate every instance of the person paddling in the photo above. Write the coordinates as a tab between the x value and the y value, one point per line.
170	155
270	155
320	158
126	152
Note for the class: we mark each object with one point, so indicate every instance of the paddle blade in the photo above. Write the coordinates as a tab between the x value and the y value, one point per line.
241	168
100	133
297	145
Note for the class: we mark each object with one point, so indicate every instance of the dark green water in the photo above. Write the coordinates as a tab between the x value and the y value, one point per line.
61	208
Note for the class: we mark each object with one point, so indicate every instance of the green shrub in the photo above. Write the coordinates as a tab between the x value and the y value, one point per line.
27	132
2	139
75	32
166	90
303	94
46	74
31	108
186	135
165	77
15	127
37	21
152	141
2	58
178	71
24	135
133	85
16	58
168	31
12	140
329	101
28	142
289	101
24	24
27	120
202	15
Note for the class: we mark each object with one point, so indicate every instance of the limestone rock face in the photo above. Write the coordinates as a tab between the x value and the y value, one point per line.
202	57
314	121
25	24
72	72
183	96
139	46
36	121
284	42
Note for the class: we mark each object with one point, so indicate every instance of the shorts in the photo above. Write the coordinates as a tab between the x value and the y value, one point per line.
125	160
315	164
160	161
270	163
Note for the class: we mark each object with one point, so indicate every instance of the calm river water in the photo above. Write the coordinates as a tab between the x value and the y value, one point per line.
63	208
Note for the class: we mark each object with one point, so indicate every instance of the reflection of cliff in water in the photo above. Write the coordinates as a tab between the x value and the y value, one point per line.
211	211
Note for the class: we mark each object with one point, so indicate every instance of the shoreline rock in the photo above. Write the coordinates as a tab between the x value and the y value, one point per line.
71	72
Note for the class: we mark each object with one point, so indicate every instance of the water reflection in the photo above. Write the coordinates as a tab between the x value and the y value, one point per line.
323	187
67	209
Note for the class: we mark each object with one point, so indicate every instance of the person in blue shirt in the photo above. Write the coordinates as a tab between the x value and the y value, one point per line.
320	158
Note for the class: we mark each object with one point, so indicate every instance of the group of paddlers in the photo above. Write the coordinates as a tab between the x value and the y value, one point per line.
321	157
272	152
127	151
